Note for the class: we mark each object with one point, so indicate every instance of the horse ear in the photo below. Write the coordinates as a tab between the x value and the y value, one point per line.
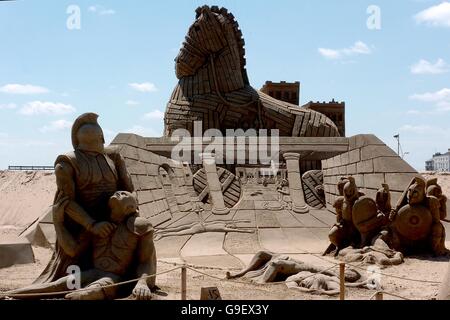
202	10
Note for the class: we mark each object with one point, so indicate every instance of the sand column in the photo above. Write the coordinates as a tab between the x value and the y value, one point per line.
214	185
295	182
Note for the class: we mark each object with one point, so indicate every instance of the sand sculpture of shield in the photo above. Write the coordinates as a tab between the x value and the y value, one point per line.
231	187
413	222
311	181
364	214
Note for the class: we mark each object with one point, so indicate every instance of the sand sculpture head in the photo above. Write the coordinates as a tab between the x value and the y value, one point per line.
433	189
416	191
213	32
122	204
350	189
87	135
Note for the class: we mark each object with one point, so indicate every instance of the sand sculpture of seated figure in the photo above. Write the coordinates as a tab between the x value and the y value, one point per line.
416	220
88	176
129	245
283	194
268	267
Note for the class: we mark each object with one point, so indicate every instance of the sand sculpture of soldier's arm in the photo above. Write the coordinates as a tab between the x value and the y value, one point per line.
88	176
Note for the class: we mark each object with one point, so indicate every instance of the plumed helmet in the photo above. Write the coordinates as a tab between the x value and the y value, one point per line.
85	118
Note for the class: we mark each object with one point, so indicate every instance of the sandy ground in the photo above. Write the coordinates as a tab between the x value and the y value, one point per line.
423	269
26	195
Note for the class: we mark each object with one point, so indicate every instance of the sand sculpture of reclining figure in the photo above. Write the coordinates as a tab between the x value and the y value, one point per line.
268	267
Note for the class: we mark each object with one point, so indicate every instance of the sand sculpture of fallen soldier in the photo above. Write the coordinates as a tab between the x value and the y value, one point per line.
112	256
201	227
318	283
378	253
266	267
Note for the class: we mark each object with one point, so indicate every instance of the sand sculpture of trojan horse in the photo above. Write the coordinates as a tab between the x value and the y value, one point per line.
214	88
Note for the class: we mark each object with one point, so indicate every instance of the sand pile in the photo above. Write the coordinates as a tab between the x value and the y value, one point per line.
24	197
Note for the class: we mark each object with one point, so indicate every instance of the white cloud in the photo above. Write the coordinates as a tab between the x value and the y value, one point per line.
143	131
15	88
441	100
8	106
438	96
143	87
23	143
46	107
436	16
357	48
428	130
132	103
155	114
57	125
427	67
100	10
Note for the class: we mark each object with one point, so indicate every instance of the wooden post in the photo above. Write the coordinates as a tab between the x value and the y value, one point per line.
183	283
342	281
379	296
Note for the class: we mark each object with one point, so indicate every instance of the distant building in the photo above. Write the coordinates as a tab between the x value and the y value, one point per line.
290	92
429	166
439	162
284	91
333	110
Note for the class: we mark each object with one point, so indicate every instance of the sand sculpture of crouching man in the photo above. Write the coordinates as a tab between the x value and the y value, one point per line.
128	247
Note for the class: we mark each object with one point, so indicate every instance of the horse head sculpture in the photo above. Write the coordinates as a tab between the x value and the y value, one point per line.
214	88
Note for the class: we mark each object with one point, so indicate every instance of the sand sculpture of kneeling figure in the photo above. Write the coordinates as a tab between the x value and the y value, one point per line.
130	244
416	220
268	267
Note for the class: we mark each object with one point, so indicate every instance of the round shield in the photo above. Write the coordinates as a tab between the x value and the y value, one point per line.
364	214
413	222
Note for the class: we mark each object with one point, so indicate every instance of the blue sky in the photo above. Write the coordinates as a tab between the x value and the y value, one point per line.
395	79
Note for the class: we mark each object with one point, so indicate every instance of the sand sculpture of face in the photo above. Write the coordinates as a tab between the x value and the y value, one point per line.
433	189
122	204
90	138
416	192
340	185
350	189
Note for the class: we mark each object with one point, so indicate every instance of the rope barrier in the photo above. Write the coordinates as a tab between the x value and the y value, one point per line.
180	266
389	294
12	295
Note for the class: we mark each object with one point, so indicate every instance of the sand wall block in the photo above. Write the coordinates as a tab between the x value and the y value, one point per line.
15	252
371	163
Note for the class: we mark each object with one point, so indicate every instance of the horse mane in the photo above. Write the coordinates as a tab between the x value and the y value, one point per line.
237	34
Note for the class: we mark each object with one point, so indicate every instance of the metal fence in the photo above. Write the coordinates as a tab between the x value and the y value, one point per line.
24	168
